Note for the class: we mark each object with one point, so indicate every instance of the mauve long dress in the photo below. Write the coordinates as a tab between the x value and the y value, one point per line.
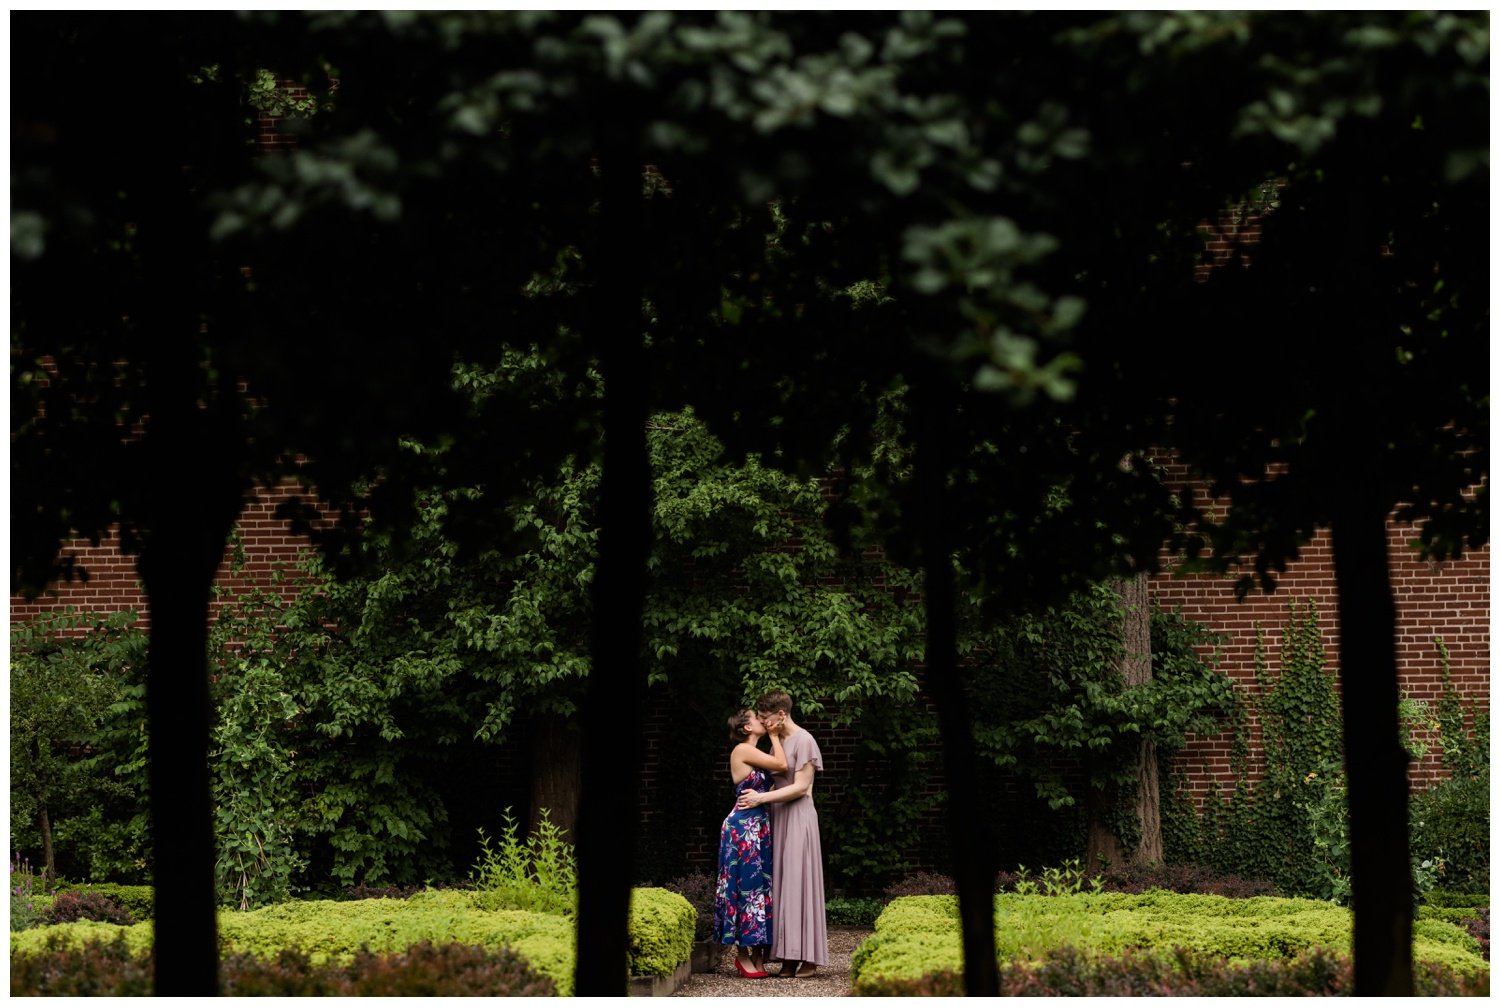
801	929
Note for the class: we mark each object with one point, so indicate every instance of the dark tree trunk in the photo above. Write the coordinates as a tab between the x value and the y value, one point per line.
177	570
192	493
973	857
555	744
49	856
177	719
1374	760
1101	845
608	816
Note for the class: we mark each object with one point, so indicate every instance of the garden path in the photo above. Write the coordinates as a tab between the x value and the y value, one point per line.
831	981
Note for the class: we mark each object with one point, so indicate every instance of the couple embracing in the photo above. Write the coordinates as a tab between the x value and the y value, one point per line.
769	897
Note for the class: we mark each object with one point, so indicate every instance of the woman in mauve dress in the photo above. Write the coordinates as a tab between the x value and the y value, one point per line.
742	896
800	935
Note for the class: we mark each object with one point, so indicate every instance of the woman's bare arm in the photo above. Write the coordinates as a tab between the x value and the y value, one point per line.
800	785
746	754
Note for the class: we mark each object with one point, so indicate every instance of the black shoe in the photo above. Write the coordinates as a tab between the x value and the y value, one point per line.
789	968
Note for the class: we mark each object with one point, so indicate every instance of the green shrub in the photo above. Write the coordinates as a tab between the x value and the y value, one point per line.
422	970
334	931
1070	972
920	935
1452	822
137	938
1451	899
1445	932
661	931
538	873
136	899
853	912
1458	916
25	911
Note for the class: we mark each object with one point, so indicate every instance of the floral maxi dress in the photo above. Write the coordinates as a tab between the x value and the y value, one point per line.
742	898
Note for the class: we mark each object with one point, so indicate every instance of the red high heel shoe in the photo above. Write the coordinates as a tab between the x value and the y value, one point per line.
746	972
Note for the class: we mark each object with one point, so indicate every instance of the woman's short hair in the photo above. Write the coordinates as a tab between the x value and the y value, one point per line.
739	726
775	702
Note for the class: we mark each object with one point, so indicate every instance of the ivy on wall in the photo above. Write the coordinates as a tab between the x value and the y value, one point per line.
1286	819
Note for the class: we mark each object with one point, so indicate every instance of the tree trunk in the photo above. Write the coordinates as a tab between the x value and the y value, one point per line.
554	773
1101	845
1148	806
49	857
1374	761
1135	669
608	816
177	570
973	865
192	493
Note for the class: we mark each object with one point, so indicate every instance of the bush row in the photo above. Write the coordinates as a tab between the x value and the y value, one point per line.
661	931
113	969
1188	879
1070	972
920	935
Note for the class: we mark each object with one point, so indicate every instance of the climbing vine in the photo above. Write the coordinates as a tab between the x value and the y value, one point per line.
1287	817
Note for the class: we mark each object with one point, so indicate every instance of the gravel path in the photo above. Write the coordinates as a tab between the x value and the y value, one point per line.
832	979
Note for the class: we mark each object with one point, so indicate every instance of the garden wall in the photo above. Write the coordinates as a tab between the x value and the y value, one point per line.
1450	601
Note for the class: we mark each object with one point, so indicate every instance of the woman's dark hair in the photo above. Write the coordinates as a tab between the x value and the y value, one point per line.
739	726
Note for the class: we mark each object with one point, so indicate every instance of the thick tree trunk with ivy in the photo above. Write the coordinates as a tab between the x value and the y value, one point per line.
1135	668
608	816
1103	846
1375	763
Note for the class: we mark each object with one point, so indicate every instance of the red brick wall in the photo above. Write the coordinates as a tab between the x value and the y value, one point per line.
1450	601
114	587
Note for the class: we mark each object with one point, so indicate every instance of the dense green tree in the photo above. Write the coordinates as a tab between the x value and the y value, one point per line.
66	674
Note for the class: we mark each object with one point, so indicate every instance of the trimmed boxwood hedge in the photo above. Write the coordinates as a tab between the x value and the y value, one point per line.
920	935
421	970
661	931
1070	972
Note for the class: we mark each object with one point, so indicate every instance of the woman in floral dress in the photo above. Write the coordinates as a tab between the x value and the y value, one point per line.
742	898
